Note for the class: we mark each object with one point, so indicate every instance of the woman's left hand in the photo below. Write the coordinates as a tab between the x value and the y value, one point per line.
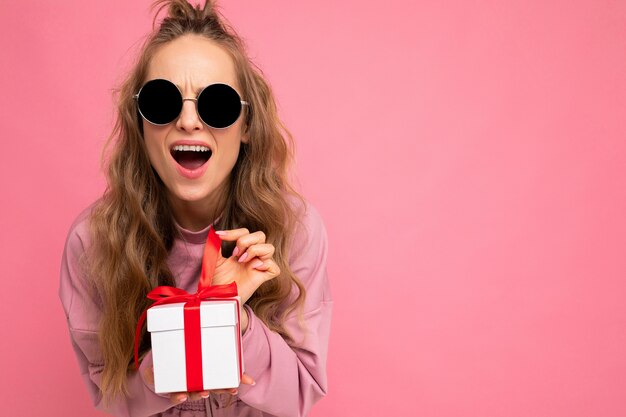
250	265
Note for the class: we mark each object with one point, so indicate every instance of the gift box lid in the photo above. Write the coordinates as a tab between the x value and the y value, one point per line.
212	314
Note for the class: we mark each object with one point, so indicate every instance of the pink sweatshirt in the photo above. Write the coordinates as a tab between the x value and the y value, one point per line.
288	381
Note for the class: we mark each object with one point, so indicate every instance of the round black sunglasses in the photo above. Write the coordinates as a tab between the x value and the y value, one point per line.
160	102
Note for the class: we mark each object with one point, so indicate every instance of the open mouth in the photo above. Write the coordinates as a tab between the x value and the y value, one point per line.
191	157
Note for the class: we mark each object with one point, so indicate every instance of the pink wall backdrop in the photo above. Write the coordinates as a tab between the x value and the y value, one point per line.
468	159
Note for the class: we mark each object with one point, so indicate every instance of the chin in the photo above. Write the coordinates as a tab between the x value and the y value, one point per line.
190	194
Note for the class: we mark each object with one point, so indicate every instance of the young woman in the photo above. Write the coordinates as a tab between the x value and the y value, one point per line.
197	144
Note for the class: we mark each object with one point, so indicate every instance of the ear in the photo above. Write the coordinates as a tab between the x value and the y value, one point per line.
245	132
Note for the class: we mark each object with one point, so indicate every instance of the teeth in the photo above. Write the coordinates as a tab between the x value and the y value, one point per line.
191	148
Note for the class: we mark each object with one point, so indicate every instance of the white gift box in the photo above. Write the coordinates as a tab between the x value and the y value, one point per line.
220	340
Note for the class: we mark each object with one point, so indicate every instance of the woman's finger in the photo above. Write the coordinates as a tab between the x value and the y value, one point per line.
269	268
148	375
244	239
274	269
261	250
247	379
197	395
178	397
232	234
247	241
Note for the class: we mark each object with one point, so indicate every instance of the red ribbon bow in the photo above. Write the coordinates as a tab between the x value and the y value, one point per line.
167	295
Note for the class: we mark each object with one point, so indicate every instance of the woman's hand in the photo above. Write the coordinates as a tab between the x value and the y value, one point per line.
179	397
250	265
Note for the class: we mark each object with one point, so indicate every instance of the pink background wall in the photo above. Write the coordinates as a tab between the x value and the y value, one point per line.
468	159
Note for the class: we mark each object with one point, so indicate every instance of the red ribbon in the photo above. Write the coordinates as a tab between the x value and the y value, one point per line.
167	295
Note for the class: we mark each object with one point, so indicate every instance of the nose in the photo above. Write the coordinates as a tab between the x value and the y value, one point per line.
189	119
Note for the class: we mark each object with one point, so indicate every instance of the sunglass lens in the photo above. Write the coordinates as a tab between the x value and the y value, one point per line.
219	105
159	101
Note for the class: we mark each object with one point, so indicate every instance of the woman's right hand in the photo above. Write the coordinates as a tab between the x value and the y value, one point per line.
250	265
179	397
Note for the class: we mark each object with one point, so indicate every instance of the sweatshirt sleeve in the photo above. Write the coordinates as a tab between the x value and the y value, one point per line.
83	313
290	380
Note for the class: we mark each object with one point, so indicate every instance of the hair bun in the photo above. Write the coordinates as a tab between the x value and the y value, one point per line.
183	10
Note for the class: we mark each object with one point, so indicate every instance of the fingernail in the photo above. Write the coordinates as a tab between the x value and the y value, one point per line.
236	251
220	232
205	396
253	383
243	257
257	263
234	392
182	398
